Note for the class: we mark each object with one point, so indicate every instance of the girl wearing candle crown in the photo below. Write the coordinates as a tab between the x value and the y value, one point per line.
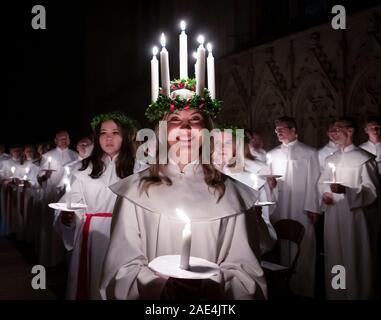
88	235
146	225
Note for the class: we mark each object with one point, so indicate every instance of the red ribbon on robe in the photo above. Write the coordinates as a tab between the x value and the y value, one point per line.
82	284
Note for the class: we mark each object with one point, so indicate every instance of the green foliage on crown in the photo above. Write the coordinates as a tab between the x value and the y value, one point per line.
164	104
115	116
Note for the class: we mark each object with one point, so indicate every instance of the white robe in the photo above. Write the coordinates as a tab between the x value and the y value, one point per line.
145	226
329	149
346	232
268	235
298	165
374	149
95	193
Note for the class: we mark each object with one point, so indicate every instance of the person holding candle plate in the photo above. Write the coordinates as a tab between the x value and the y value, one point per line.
87	235
298	166
146	224
351	207
248	171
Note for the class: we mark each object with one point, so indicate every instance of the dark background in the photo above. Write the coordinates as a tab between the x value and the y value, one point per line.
95	56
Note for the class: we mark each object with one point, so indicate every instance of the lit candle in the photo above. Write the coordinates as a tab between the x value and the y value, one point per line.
186	240
183	52
13	170
195	64
154	75
164	67
49	163
200	73
211	72
254	178
68	194
332	166
269	163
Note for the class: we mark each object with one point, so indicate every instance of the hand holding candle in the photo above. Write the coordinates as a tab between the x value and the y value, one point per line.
68	193
186	240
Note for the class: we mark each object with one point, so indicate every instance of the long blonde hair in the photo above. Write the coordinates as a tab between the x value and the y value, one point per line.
212	177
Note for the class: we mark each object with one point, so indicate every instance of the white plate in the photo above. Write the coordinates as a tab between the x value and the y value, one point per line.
264	176
264	203
331	182
170	266
62	206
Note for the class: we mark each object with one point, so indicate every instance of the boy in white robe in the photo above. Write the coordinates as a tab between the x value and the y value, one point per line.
373	145
298	166
329	149
350	202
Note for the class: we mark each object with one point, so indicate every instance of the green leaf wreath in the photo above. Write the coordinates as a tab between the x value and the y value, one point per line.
117	116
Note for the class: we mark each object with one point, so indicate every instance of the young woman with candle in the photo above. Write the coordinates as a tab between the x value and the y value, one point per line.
111	160
146	225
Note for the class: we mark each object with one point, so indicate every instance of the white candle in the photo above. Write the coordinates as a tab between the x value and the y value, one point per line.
154	75
68	194
332	166
269	163
195	64
183	52
254	178
13	170
186	240
49	163
211	72
200	73
164	67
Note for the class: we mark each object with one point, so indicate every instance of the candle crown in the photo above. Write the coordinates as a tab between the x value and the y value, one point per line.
184	93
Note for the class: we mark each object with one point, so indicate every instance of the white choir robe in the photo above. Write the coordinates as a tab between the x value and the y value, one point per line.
375	149
146	226
329	149
268	235
298	164
95	193
346	225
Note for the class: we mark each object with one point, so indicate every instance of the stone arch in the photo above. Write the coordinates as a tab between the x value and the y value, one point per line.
315	104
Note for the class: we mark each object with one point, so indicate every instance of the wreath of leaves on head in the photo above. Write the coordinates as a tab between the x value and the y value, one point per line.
116	116
164	104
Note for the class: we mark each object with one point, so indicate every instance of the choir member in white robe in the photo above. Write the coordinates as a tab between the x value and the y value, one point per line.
145	225
248	171
348	204
329	149
373	145
52	252
86	232
298	166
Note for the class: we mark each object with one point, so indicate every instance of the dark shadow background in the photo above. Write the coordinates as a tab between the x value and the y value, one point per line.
95	56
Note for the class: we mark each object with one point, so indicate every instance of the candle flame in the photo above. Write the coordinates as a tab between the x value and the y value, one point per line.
13	169
201	39
163	40
155	50
183	25
209	47
25	177
181	214
332	166
27	169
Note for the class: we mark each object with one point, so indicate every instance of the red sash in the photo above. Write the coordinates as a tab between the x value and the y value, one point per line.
82	284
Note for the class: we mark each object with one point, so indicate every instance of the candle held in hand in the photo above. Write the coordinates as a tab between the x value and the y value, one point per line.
68	194
49	163
186	240
332	166
269	163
